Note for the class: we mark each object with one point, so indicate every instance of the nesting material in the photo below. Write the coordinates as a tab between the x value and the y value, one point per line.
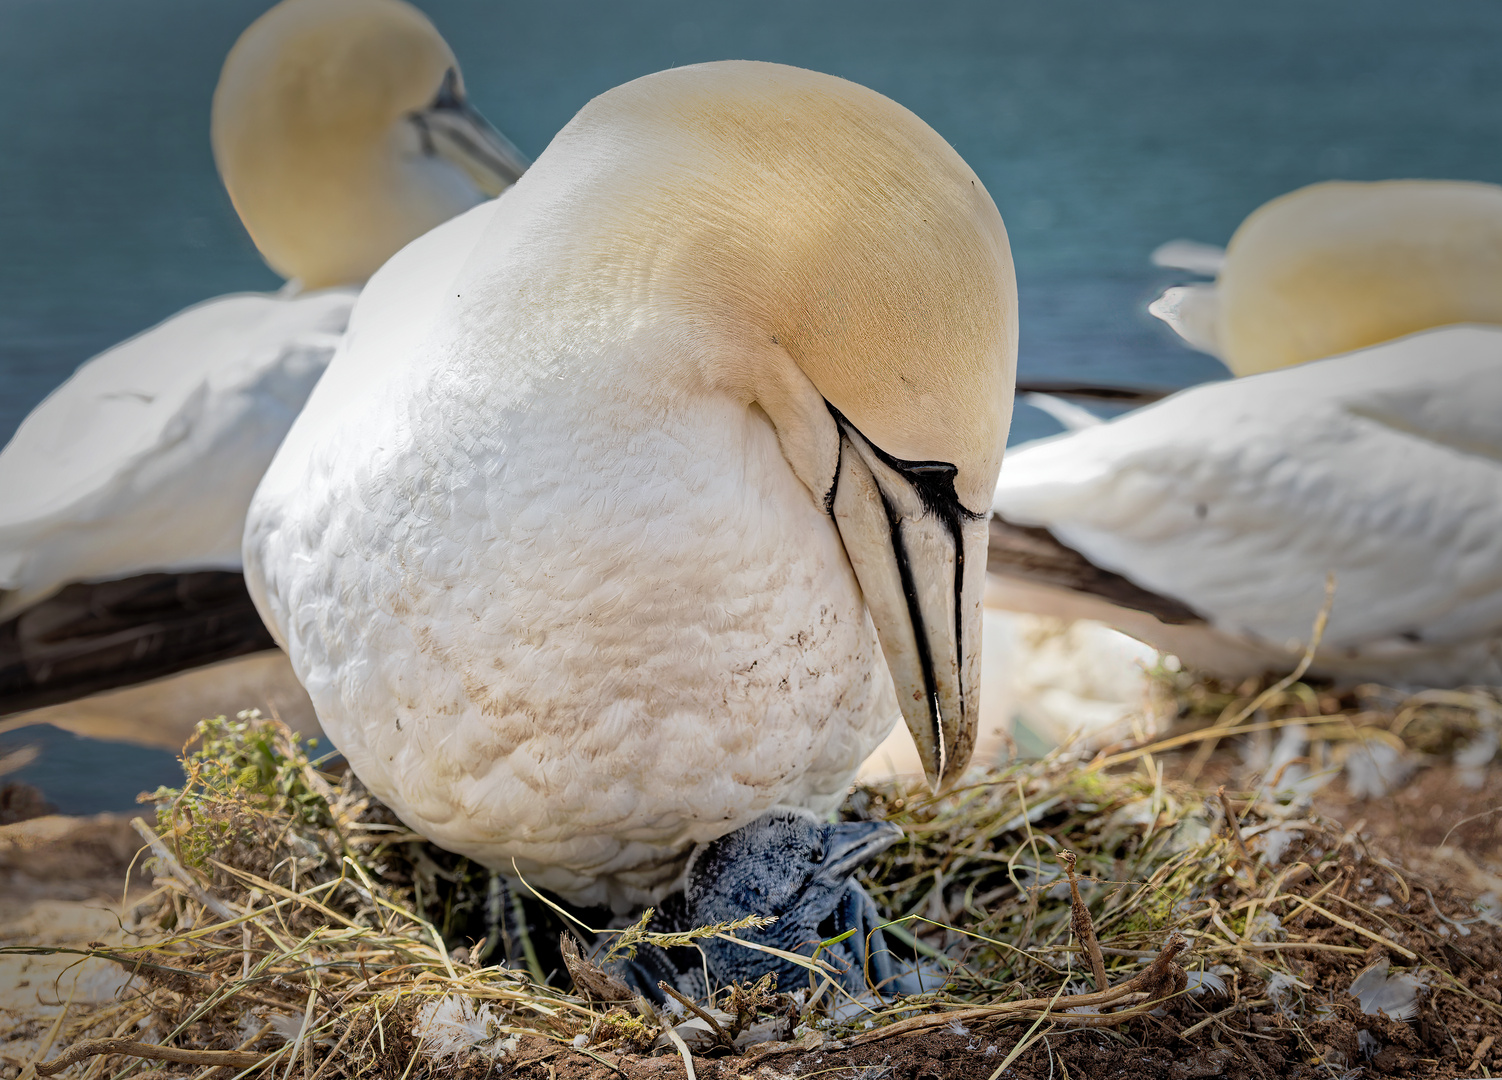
1078	917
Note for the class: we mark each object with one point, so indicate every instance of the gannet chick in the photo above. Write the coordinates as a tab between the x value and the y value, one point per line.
341	130
1338	266
627	502
790	865
1206	524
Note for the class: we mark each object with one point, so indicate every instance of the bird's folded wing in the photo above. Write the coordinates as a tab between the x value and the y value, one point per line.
147	456
1383	467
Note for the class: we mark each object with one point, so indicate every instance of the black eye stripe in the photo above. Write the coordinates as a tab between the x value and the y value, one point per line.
449	94
932	480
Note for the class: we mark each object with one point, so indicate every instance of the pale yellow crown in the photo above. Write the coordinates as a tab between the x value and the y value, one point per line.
312	134
1339	266
795	215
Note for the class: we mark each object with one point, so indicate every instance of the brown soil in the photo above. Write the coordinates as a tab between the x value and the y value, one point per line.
1457	1034
22	802
1430	821
66	858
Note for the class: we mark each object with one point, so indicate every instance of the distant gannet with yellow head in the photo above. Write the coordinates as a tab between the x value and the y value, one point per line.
625	493
1339	266
342	132
1362	443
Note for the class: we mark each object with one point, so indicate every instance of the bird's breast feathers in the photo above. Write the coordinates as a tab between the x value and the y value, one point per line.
579	633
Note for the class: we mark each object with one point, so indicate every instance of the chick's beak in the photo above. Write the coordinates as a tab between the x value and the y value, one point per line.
920	558
850	844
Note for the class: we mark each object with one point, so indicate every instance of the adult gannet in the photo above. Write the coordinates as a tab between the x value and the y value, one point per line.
341	131
1338	266
584	545
1281	473
1206	524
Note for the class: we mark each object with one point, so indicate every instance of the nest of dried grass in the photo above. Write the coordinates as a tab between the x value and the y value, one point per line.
1093	917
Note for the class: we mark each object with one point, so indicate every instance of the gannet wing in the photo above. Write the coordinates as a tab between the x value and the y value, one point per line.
146	458
92	637
1190	255
1236	499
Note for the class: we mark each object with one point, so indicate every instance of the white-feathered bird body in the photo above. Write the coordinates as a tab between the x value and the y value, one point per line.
561	546
1383	467
631	559
146	458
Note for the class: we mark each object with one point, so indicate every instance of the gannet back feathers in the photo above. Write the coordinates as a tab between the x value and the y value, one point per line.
147	457
1383	466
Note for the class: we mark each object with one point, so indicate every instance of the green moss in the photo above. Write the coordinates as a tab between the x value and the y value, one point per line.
242	783
620	1030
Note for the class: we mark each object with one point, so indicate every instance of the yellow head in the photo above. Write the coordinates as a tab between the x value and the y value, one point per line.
811	229
1339	266
341	131
818	252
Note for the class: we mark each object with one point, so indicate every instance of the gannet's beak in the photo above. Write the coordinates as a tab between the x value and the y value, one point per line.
452	129
920	558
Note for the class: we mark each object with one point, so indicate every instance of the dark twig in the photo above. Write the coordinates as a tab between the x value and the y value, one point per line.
720	1033
1081	923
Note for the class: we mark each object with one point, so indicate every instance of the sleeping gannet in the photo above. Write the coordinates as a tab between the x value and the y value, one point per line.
1338	266
341	131
625	493
1206	524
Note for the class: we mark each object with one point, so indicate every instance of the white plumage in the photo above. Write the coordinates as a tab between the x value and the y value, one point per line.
535	596
1383	467
551	546
146	458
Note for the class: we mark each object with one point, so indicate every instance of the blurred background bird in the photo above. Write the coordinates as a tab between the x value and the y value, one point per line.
341	130
1206	525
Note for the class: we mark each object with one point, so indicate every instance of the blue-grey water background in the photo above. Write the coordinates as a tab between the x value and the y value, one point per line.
1101	128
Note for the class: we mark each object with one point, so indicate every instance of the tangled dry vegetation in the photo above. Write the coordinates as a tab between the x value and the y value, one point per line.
1086	916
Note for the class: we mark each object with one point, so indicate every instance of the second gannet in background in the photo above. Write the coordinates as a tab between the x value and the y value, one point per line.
1206	524
1338	266
341	131
630	498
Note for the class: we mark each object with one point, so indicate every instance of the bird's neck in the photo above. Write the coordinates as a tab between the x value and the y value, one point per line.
335	216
